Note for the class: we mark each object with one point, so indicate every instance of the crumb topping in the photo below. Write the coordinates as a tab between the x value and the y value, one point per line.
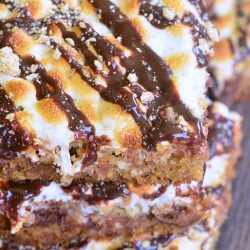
9	62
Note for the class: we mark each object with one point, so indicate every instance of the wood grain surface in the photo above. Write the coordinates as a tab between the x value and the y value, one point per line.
235	234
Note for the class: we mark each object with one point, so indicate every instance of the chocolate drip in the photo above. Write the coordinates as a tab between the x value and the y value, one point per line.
152	73
198	32
23	21
48	87
213	86
220	135
76	244
154	13
101	191
13	194
119	96
156	80
13	138
202	9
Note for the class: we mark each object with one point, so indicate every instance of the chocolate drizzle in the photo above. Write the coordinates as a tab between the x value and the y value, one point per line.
157	80
101	191
152	74
12	138
199	33
154	13
48	87
13	194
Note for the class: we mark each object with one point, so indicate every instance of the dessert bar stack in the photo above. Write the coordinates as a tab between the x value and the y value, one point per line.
108	139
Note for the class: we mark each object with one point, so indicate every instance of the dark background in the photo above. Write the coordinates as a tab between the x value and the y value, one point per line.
235	234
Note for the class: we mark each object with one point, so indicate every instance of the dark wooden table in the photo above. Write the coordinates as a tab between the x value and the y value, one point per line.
235	234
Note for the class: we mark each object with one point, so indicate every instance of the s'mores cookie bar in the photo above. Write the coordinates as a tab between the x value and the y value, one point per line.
44	215
103	90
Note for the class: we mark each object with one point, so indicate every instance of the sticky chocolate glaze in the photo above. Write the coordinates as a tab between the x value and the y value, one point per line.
48	87
156	11
101	191
158	80
154	124
156	194
78	244
161	22
14	194
12	138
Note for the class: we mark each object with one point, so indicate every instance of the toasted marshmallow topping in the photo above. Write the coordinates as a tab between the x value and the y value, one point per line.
84	78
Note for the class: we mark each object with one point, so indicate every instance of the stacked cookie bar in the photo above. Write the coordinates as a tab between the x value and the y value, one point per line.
108	139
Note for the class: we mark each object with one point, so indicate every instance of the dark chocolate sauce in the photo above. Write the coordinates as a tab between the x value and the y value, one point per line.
198	31
152	73
101	191
220	136
13	138
48	87
154	13
78	244
13	194
201	7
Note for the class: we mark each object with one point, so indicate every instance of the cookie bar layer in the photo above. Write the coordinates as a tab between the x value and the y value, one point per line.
62	214
202	236
104	90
